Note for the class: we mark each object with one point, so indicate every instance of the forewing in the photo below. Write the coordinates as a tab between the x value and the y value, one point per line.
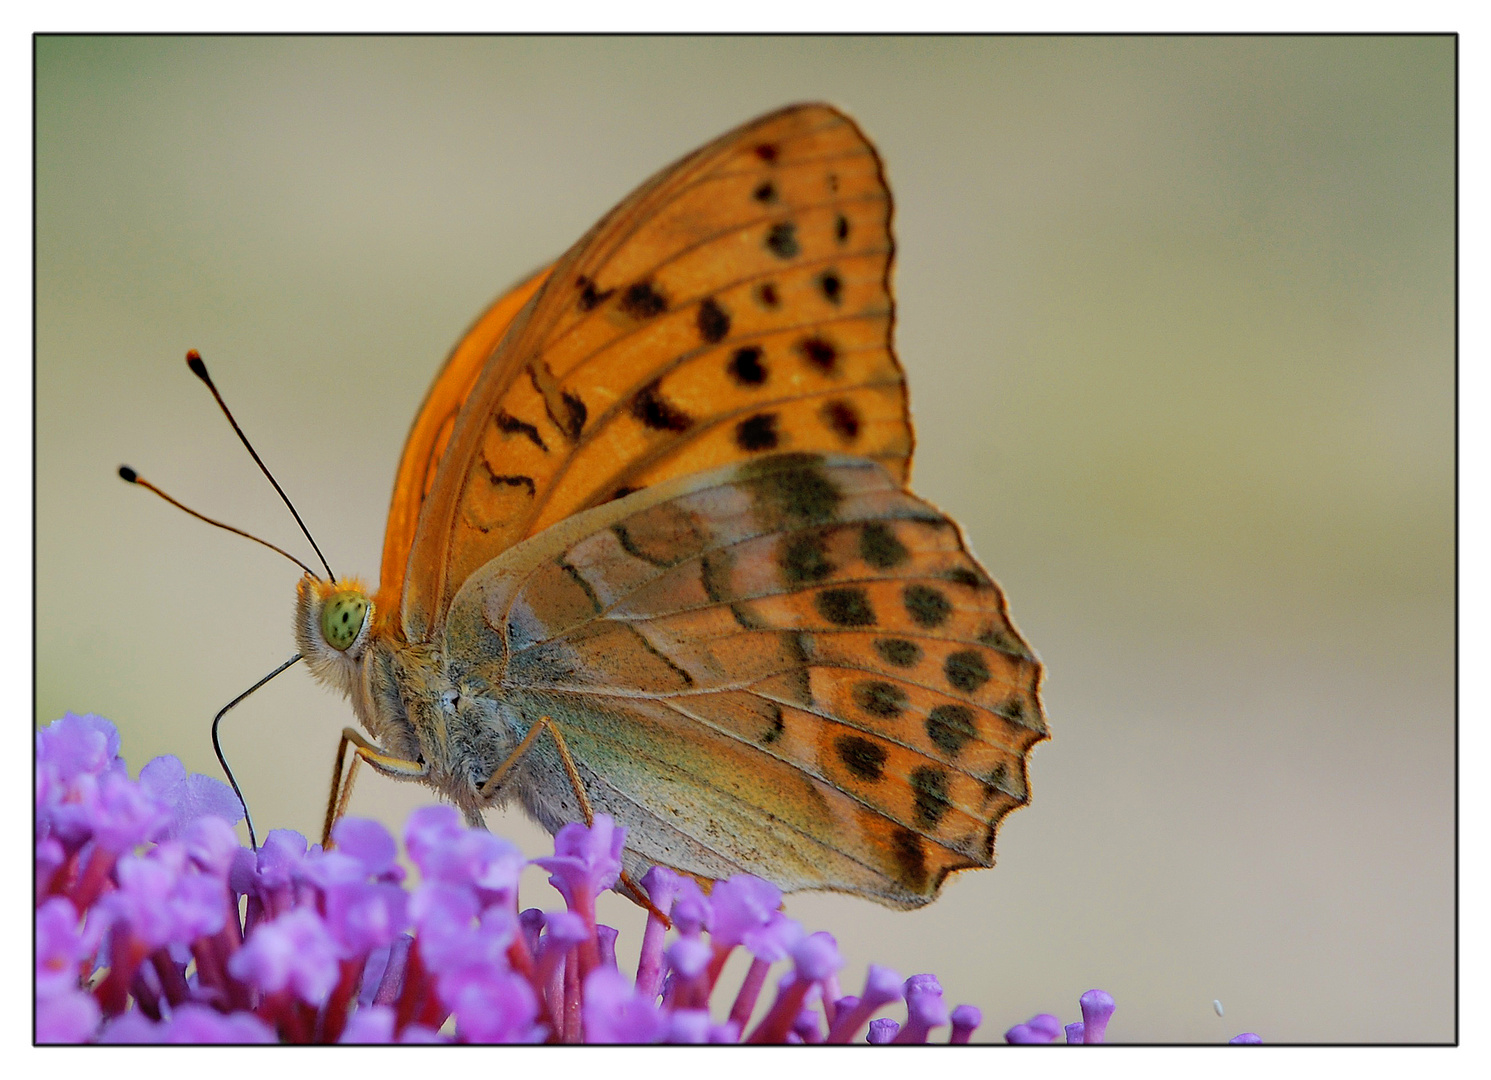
791	667
736	305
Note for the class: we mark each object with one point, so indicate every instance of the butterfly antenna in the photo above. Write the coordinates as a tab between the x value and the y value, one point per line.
129	476
217	746
199	369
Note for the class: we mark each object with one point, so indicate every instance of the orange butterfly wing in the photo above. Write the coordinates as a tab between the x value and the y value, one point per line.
737	304
431	432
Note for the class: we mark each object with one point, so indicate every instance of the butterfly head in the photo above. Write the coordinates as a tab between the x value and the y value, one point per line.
333	620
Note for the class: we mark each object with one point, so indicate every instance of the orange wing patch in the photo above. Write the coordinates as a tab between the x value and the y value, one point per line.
428	438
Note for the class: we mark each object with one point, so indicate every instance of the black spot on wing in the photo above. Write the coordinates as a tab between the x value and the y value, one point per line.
930	787
966	670
832	287
861	757
966	576
657	412
766	193
683	675
590	297
781	240
713	320
745	366
820	353
798	646
842	419
1000	778
882	699
631	547
792	490
926	605
950	727
899	652
803	559
767	152
845	607
643	300
796	649
767	296
841	229
879	546
757	433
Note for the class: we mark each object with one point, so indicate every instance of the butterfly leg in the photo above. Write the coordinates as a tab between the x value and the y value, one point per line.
489	789
341	789
495	780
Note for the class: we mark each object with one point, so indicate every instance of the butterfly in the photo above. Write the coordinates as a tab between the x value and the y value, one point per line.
651	553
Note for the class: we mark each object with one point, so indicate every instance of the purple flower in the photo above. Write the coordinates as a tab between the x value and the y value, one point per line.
817	957
294	952
743	908
124	815
662	886
212	845
1042	1028
160	899
372	846
269	875
882	1031
78	745
615	1012
692	912
369	1024
1097	1008
496	1010
187	797
965	1019
68	1017
61	947
1247	1038
586	862
189	1024
925	1009
64	1014
140	879
882	986
50	856
366	917
446	851
688	1026
471	954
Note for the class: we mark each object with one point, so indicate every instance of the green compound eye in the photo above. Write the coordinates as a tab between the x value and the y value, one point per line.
341	620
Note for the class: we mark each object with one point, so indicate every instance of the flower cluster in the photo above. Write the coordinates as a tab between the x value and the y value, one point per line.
1097	1007
154	925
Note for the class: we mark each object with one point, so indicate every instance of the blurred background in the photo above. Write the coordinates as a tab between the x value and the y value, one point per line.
1178	320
